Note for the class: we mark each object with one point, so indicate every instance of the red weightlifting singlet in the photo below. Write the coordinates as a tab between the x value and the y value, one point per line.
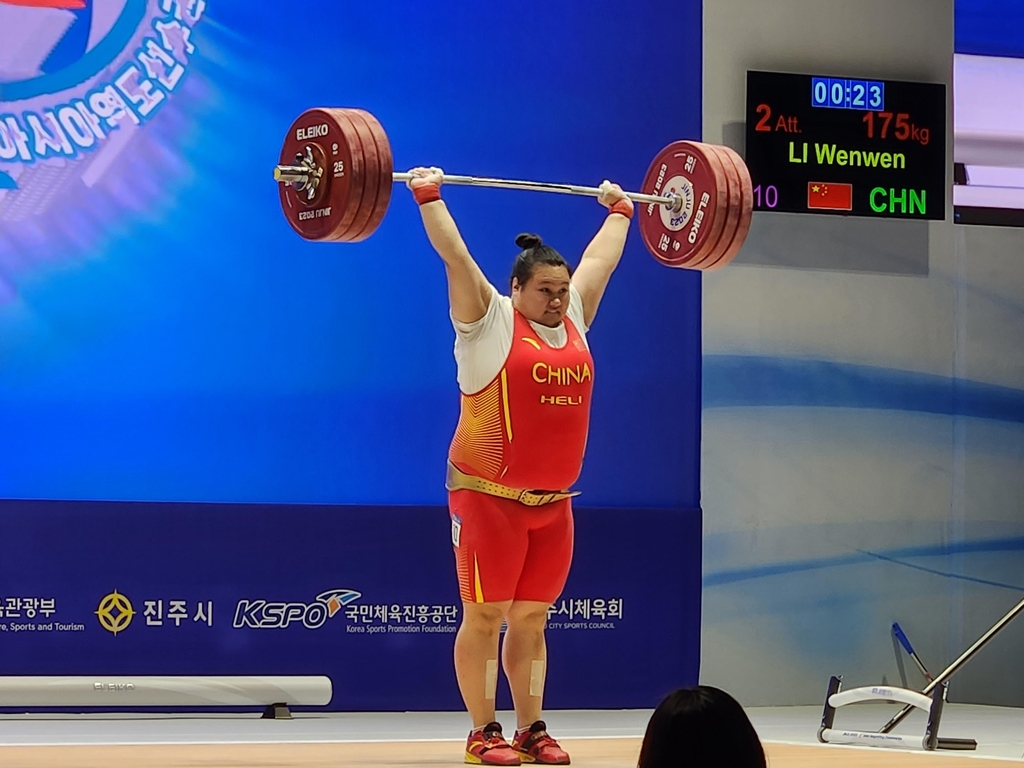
528	427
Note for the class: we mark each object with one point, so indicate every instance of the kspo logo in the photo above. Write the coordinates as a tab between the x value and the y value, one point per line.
262	614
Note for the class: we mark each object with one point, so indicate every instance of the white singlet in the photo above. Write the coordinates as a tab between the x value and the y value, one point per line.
481	348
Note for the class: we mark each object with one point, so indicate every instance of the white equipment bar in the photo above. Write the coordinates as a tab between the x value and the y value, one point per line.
170	691
868	738
879	693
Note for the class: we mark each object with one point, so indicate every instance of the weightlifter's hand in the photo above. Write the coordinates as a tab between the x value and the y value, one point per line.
611	194
423	176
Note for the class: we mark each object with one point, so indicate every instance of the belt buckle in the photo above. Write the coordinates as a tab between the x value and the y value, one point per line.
534	499
531	499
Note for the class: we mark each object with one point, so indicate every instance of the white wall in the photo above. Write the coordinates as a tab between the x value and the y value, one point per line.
863	498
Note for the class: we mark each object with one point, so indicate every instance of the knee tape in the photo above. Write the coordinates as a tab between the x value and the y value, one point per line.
537	677
491	679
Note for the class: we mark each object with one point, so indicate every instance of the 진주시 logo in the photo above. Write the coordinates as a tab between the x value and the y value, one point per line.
263	614
115	612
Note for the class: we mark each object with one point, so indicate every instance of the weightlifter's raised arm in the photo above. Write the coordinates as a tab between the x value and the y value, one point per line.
602	255
468	290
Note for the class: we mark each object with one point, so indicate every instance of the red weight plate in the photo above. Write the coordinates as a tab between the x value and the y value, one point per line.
746	208
371	177
357	171
339	192
731	212
375	142
717	222
386	182
675	238
371	171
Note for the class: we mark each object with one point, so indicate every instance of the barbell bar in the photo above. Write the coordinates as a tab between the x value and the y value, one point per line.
336	173
299	176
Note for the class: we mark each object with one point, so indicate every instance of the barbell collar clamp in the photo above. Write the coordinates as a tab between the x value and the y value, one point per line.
292	174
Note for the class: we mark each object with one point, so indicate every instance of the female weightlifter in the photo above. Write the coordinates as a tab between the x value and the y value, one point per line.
526	374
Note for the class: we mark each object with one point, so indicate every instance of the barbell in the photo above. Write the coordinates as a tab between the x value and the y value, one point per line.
336	173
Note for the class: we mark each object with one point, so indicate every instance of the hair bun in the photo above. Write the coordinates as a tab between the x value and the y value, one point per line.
527	241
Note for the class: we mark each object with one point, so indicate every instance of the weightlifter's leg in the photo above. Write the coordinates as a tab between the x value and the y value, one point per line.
476	658
524	652
524	657
490	547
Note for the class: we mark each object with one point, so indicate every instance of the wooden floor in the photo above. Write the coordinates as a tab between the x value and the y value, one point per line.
586	753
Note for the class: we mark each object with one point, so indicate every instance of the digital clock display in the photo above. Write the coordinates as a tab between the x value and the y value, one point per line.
843	146
847	94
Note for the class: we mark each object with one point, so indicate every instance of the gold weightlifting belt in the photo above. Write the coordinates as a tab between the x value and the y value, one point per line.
459	481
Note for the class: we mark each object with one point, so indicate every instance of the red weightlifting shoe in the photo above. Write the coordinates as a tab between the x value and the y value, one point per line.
486	746
534	745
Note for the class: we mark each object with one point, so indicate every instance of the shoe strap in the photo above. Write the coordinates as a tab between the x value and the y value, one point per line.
537	740
493	739
495	743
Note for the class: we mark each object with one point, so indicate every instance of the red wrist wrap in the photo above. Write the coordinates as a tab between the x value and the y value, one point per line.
426	193
623	207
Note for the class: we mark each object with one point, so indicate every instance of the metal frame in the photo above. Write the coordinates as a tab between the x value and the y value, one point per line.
953	668
911	699
835	698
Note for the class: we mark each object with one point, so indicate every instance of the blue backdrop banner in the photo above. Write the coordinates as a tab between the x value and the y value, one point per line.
165	336
244	434
364	595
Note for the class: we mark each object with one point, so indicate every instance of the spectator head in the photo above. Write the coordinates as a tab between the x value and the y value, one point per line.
698	727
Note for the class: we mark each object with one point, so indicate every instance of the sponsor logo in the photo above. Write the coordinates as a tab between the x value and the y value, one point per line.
698	219
588	613
313	132
264	614
676	220
113	687
115	612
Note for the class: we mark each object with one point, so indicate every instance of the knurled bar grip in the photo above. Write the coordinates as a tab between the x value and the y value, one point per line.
540	186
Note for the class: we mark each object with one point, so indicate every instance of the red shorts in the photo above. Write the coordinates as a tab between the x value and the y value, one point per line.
507	551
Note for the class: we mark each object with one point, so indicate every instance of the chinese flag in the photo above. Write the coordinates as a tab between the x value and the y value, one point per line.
830	196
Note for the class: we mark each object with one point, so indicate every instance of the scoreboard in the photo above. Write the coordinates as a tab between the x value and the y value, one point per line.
842	146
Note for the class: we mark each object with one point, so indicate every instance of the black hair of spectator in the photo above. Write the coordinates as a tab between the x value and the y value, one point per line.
701	727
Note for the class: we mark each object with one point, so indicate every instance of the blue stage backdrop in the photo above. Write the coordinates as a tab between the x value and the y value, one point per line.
197	405
364	595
